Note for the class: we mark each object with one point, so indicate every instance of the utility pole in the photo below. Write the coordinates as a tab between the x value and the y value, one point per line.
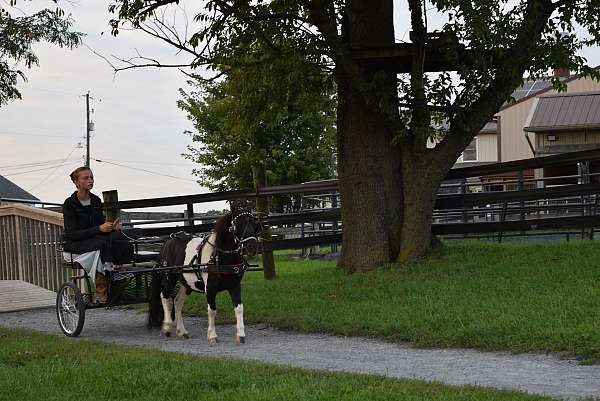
87	128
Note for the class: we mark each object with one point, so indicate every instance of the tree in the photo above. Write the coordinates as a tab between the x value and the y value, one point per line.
388	175
18	34
278	115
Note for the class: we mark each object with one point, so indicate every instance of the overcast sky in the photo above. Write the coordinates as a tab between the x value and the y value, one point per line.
137	123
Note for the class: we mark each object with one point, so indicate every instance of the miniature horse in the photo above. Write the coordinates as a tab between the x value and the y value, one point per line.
223	253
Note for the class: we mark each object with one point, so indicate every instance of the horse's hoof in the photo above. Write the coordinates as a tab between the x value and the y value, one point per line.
183	334
213	341
240	340
167	333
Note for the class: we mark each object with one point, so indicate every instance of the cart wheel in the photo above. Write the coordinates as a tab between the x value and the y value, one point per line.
70	309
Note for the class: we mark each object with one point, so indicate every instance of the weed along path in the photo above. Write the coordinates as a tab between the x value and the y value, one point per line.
532	373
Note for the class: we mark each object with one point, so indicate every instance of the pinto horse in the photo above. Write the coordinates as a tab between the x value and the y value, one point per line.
223	253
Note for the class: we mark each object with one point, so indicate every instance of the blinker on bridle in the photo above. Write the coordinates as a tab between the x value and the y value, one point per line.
232	229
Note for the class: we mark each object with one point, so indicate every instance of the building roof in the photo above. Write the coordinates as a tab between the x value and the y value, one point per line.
566	112
531	89
491	127
9	189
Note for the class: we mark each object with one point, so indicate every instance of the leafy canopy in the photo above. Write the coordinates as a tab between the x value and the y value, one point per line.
19	33
279	115
498	40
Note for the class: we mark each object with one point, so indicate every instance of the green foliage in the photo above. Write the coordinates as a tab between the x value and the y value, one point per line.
278	114
40	367
18	34
492	31
522	298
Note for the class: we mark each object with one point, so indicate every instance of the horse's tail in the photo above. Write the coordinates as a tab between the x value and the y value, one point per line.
155	308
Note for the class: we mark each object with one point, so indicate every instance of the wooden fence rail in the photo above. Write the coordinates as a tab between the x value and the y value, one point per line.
29	236
29	239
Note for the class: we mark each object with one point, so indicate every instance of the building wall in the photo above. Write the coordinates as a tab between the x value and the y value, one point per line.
567	138
512	142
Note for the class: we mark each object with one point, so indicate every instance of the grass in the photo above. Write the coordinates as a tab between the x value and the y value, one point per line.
39	367
517	297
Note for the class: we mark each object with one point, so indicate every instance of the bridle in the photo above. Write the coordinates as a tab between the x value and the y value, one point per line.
232	229
239	242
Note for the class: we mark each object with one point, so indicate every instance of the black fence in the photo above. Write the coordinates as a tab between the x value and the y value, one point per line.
540	202
537	205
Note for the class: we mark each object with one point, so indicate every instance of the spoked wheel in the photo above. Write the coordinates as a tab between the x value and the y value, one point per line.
70	309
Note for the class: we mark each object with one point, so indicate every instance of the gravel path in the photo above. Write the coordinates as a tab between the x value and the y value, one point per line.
538	374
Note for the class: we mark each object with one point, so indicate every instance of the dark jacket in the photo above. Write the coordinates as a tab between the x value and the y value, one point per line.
82	222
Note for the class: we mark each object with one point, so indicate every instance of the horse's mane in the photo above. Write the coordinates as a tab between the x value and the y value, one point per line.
221	228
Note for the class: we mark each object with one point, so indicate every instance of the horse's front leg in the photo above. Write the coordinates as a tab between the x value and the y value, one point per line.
238	308
167	304
179	301
211	300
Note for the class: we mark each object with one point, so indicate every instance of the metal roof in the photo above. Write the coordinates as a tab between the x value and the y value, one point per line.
9	189
566	112
531	89
491	127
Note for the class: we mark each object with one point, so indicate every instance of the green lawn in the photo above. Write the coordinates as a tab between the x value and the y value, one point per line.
38	367
518	297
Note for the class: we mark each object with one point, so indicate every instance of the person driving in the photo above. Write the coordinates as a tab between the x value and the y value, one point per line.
86	229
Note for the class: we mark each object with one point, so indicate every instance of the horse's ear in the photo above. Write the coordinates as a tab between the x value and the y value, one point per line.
238	206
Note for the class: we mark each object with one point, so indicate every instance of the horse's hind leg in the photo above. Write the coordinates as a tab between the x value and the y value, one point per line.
238	308
167	304
179	300
211	300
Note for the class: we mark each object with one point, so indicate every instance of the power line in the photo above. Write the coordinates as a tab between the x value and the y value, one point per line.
36	170
147	162
144	170
33	164
53	171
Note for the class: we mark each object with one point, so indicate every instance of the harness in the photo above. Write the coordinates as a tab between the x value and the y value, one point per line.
214	265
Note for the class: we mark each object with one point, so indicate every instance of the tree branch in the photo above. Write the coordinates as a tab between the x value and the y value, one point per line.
245	7
466	124
157	4
211	79
421	118
145	28
322	15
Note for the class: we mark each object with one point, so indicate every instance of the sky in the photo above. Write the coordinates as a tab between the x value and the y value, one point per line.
137	123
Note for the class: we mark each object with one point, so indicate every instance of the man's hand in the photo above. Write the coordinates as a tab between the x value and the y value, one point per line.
106	227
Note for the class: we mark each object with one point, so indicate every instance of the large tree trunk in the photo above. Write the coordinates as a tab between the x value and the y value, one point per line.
369	163
420	185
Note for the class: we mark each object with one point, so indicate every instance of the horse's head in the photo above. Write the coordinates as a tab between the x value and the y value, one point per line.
245	229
